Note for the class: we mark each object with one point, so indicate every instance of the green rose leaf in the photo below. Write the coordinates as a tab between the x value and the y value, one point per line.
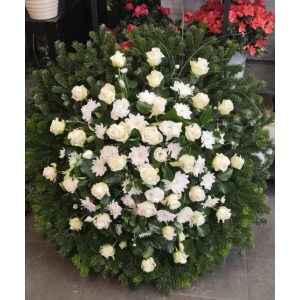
206	116
225	176
149	252
189	248
167	172
143	108
223	187
203	230
154	226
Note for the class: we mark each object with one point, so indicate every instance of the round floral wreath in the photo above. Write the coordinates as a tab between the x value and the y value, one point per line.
148	172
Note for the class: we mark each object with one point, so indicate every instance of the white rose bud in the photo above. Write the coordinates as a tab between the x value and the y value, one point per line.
148	265
155	195
148	174
187	163
151	135
117	162
99	190
220	162
77	137
199	67
181	236
168	232
193	132
237	162
160	154
102	221
159	106
180	257
107	251
57	127
88	154
198	219
196	194
50	172
154	57
122	84
172	201
223	213
200	100
75	224
123	245
70	184
120	132
118	60
226	107
155	78
107	93
146	209
79	93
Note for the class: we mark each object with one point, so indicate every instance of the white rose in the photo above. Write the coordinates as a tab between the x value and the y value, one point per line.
168	232
223	213
108	151
155	78
70	184
197	219
149	175
151	135
57	127
77	137
159	106
146	209
99	190
107	93
50	172
119	132
75	224
170	129
237	162
155	195
88	154
180	257
117	162
107	251
123	245
199	67
187	163
102	221
196	194
160	154
148	265
118	60
181	236
172	201
225	107
154	57
220	162
200	100
79	93
193	132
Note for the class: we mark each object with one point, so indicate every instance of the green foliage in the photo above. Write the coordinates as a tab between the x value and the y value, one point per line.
89	65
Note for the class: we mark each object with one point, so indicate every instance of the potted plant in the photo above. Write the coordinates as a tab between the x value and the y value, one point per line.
42	9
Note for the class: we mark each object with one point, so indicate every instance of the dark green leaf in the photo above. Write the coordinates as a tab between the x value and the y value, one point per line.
143	108
206	116
225	176
167	172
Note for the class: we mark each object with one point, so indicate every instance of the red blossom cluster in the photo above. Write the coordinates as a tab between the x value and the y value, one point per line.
248	18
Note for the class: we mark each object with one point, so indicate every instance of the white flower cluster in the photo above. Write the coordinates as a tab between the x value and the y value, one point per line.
163	175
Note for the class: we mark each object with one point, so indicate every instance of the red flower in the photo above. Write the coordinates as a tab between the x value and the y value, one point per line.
188	17
125	45
232	16
260	43
242	27
130	27
141	10
248	10
128	6
165	10
252	50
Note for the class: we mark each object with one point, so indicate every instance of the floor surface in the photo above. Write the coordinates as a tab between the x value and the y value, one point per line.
247	277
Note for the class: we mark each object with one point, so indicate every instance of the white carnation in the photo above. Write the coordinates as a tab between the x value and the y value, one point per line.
146	97
146	209
120	109
165	216
108	151
207	180
207	139
128	201
172	201
183	110
100	131
114	209
136	121
174	150
182	89
98	166
88	204
178	184
170	129
88	109
197	219
184	215
73	158
102	221
199	166
211	202
139	155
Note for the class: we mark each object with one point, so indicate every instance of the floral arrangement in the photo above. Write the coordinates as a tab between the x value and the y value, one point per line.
162	156
249	22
